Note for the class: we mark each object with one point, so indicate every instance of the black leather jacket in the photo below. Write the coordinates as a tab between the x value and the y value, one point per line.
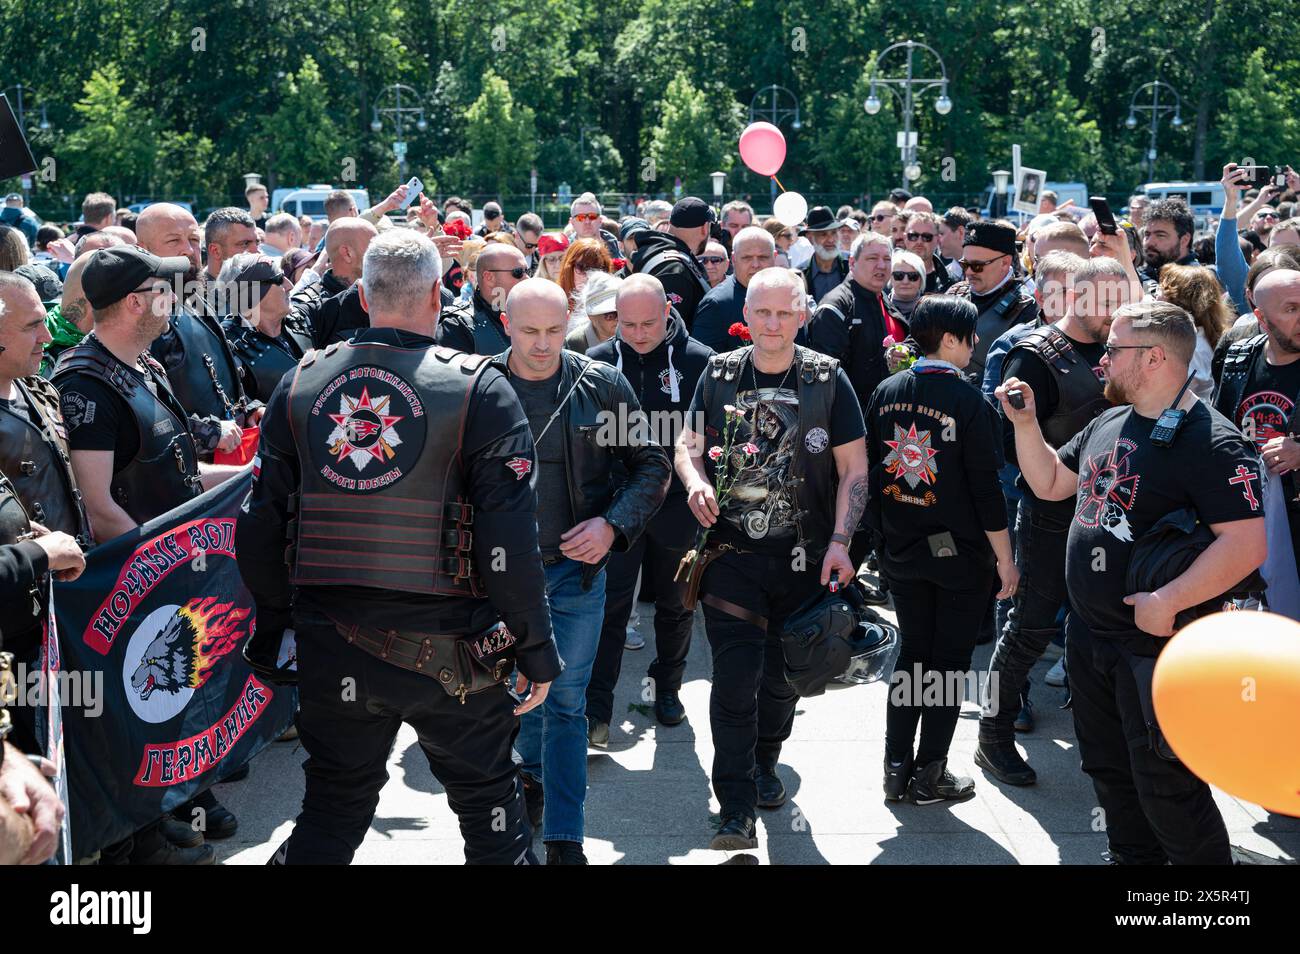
589	455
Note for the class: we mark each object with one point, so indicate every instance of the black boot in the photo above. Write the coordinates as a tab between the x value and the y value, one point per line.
668	707
933	783
771	793
1003	762
565	853
897	777
736	833
534	801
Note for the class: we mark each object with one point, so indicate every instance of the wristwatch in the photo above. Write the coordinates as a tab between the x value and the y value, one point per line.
841	538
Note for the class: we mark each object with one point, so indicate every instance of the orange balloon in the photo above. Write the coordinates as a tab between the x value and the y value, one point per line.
1227	695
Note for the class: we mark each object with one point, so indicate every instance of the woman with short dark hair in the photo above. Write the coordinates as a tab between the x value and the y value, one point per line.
934	445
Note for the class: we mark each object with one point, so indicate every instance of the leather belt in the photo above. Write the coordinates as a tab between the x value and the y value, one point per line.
734	609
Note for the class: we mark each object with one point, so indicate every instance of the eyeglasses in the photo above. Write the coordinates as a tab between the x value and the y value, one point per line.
880	217
905	276
977	267
1111	349
920	236
517	272
713	259
586	216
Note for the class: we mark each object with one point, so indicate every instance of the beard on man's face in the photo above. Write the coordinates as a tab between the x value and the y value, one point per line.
1116	393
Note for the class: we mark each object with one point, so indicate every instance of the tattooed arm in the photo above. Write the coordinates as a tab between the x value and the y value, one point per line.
851	465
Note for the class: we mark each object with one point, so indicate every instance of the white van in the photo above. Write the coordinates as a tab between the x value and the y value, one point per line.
1202	198
310	200
1065	191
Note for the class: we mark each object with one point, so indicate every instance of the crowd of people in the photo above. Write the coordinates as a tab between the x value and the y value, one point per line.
988	425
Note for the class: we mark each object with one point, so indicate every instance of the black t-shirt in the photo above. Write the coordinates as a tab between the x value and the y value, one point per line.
554	508
758	514
1033	370
1126	484
934	455
1266	411
98	418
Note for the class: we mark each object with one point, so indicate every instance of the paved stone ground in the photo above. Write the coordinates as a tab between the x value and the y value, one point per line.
650	802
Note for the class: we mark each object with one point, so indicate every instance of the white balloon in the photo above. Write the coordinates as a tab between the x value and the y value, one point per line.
790	208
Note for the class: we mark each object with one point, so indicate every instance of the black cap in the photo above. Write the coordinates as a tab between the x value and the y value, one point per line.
991	235
631	226
691	213
113	273
47	284
821	219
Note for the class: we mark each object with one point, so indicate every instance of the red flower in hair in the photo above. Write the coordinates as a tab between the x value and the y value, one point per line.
740	330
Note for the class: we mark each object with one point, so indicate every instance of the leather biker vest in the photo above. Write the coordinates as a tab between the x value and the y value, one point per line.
1081	394
34	456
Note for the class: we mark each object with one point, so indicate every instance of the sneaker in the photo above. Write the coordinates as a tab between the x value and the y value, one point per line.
1056	675
597	733
565	853
736	833
1003	762
1025	717
897	777
933	783
771	792
668	708
634	640
534	800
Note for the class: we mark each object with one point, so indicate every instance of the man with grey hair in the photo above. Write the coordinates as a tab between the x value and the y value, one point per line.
656	211
419	444
584	220
752	250
282	234
1125	475
1061	361
736	215
798	490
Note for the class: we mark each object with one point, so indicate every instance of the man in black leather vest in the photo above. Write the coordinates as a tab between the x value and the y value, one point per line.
476	326
202	371
584	511
991	283
796	486
1061	362
391	530
256	294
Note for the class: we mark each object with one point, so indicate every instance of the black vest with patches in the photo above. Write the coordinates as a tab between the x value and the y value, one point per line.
400	519
35	458
165	471
1081	395
201	369
995	319
265	362
814	476
14	522
1237	365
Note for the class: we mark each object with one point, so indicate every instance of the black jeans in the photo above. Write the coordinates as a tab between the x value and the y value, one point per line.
751	704
667	537
940	608
350	708
1156	811
1041	532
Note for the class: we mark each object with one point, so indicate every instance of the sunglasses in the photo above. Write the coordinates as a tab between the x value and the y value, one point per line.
517	272
713	259
906	276
978	267
586	216
920	236
1267	215
880	217
530	245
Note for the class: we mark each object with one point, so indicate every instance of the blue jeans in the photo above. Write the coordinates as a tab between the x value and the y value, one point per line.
552	742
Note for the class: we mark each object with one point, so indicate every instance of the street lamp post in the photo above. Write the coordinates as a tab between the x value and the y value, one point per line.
21	115
397	111
1156	109
911	87
719	184
775	113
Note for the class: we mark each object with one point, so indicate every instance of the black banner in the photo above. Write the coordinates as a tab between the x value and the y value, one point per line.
159	617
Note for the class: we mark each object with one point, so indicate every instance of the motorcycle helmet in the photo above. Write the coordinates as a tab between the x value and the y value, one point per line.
837	637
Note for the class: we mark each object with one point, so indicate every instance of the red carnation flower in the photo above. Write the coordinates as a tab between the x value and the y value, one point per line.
740	330
617	264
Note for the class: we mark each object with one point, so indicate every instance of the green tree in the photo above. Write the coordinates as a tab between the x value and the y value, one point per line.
301	139
499	143
692	137
1260	118
111	147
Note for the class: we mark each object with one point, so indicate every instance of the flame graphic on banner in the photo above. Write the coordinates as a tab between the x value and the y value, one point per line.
216	631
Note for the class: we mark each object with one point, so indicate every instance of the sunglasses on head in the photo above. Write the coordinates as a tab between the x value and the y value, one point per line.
517	272
906	276
977	267
586	216
713	259
920	236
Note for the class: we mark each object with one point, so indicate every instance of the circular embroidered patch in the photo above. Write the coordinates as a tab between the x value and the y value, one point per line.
366	429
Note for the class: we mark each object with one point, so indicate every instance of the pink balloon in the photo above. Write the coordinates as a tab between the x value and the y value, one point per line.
762	147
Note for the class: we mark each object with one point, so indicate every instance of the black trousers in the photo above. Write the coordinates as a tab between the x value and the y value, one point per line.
351	706
751	704
1041	532
666	539
938	619
1156	811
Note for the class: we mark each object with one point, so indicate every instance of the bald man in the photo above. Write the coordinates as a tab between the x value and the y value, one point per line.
201	368
578	410
918	203
331	310
477	326
752	250
663	365
70	320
